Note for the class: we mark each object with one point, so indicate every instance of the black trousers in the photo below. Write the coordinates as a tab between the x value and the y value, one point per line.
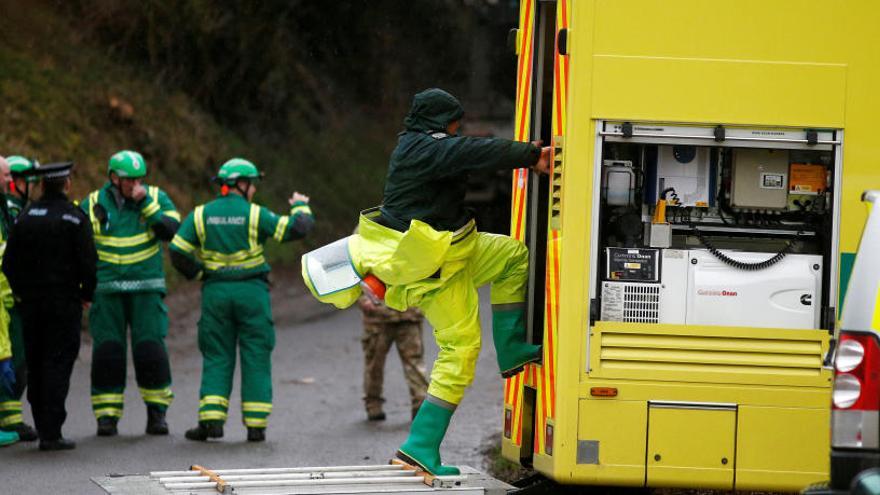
51	339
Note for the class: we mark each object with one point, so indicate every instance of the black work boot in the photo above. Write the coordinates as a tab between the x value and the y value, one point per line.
256	434
58	444
205	430
26	433
156	424
107	426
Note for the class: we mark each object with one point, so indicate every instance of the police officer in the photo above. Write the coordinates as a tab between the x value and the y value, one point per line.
129	220
221	243
50	262
10	401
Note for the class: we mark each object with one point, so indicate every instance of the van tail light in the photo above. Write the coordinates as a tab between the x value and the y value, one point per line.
855	414
508	423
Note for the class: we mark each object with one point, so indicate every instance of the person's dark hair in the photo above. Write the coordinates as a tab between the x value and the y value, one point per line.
54	186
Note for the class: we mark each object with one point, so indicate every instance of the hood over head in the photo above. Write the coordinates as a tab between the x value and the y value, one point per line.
432	110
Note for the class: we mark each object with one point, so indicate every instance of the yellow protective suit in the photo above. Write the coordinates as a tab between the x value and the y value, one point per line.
6	299
439	273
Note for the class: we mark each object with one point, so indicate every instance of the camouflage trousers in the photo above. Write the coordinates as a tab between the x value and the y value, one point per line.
377	341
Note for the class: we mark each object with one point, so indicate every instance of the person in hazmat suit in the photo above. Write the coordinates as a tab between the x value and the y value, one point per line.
423	246
221	243
17	197
130	220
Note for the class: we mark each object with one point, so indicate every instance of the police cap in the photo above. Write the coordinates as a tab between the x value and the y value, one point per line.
51	171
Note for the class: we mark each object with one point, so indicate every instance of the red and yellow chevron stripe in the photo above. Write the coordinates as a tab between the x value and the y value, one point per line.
546	407
541	378
513	386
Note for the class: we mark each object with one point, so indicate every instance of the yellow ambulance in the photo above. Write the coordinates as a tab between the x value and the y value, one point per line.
692	246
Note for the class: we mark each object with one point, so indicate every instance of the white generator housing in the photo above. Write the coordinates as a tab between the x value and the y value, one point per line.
696	288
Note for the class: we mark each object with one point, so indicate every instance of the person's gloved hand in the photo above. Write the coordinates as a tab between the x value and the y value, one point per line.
7	375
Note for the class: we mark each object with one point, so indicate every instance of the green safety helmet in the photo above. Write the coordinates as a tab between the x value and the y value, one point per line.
19	165
127	164
237	168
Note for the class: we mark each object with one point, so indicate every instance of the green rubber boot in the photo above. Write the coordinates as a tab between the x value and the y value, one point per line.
422	447
8	438
511	347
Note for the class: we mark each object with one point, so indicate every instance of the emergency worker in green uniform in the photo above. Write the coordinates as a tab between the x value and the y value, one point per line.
8	436
10	403
130	220
20	189
221	244
423	245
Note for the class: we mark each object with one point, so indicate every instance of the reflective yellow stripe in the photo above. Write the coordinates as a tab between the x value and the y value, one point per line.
209	415
128	259
113	241
254	227
265	407
301	209
10	405
281	228
154	192
256	422
12	419
252	263
182	244
231	257
150	209
199	218
173	214
158	396
93	200
108	411
107	399
217	400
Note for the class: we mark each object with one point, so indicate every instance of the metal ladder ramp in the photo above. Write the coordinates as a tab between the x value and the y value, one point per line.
393	479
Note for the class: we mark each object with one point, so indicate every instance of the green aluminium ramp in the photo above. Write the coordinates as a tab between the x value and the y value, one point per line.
336	480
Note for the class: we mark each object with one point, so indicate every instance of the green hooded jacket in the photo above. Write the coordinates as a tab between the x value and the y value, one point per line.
428	172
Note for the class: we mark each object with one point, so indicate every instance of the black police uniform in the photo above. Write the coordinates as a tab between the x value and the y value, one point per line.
50	263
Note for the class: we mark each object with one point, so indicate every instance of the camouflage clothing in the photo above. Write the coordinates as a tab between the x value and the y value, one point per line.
382	328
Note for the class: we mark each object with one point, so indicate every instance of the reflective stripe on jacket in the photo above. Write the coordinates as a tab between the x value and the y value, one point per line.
129	253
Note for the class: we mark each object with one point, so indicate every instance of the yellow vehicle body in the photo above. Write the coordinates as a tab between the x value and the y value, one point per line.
657	405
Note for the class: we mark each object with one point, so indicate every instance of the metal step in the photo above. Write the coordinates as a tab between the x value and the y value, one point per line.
396	479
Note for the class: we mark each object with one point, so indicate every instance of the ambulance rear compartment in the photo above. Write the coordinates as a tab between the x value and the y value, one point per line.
715	282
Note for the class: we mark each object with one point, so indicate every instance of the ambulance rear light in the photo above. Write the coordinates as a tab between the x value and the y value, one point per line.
855	414
508	423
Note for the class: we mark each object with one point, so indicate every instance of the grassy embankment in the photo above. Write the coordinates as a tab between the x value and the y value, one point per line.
65	98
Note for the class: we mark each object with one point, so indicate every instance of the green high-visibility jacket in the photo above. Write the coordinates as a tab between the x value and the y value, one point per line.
223	239
128	238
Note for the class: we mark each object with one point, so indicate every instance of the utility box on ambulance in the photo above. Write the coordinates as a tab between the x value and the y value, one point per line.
690	249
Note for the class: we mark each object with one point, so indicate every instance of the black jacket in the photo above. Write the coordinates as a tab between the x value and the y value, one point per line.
51	252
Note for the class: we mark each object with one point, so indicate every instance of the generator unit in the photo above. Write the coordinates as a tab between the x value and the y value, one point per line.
696	287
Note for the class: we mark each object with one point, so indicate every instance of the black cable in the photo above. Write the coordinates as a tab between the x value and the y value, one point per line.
741	265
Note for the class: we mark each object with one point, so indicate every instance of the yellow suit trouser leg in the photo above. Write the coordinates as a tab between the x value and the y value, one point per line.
504	261
453	310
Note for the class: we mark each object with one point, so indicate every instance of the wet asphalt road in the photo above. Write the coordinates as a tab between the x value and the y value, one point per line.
318	418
